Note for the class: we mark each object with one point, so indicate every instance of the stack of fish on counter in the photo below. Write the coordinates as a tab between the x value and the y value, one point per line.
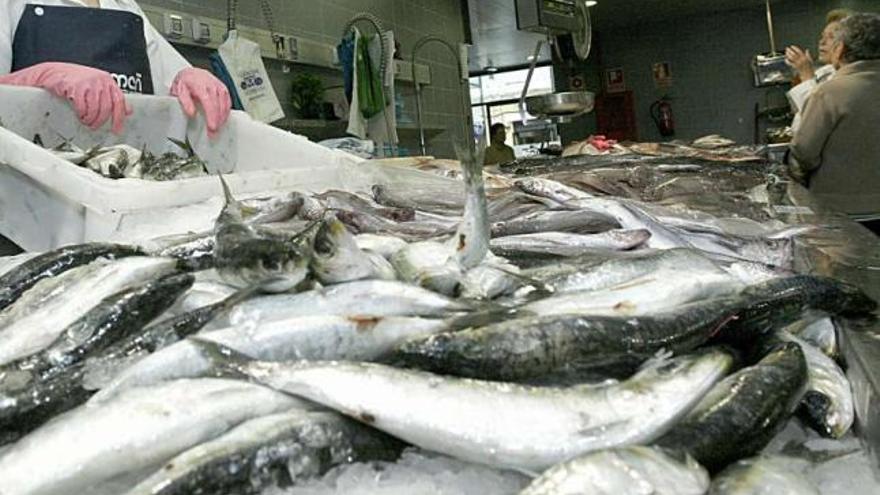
580	325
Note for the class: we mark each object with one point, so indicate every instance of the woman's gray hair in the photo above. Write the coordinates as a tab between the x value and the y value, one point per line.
860	34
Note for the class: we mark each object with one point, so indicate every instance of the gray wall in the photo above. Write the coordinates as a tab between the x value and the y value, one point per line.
323	20
709	56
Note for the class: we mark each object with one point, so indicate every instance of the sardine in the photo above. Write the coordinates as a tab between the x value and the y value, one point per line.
819	331
342	200
564	244
384	245
528	348
783	300
551	189
498	424
761	476
114	318
591	274
363	298
740	415
37	320
316	337
15	282
7	263
275	450
624	471
337	258
439	267
92	444
245	256
654	292
576	222
170	330
827	405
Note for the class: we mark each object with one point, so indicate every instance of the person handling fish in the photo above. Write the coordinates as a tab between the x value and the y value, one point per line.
92	52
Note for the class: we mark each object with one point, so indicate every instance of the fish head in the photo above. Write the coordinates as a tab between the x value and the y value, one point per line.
330	236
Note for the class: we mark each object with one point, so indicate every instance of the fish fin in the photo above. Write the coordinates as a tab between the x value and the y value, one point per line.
658	360
240	296
227	193
540	287
225	361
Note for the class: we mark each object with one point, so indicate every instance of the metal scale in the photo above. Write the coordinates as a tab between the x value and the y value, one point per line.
554	18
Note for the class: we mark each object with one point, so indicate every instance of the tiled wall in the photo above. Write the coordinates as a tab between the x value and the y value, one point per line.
324	20
709	56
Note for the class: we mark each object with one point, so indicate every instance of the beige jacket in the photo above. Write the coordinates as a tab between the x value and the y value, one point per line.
837	147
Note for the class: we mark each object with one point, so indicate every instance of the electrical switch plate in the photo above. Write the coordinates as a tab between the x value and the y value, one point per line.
173	26
201	31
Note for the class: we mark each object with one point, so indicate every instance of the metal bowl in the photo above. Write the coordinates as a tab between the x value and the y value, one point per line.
568	104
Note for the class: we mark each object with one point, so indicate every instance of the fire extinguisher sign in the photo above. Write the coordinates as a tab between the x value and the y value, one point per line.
662	74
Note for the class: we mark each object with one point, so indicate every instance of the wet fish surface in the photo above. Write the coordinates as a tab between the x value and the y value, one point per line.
623	471
24	276
500	424
739	416
527	348
274	450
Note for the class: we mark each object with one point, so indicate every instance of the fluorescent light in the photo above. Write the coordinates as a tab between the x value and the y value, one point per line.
530	58
592	3
491	69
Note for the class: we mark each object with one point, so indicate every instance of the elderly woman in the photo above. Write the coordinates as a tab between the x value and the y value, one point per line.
802	61
90	52
836	150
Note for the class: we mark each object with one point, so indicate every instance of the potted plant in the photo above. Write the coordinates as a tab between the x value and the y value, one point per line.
307	94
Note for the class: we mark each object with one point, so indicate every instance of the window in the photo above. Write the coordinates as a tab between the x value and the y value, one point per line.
495	98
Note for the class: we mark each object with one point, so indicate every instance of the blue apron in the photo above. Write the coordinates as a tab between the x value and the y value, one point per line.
109	40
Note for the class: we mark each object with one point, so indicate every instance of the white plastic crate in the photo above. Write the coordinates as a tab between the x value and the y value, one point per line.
46	202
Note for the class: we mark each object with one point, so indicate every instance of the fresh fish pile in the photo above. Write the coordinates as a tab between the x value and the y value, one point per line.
125	162
628	325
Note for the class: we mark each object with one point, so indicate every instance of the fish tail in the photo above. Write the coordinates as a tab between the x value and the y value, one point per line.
227	193
225	362
471	160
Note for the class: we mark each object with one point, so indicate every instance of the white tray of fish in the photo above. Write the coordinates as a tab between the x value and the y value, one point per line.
47	201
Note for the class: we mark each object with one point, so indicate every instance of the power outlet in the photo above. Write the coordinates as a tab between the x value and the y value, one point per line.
201	31
174	26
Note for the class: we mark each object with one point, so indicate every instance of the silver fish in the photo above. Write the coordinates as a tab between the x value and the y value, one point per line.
624	471
314	337
828	401
288	446
137	430
761	476
551	189
245	256
564	244
578	222
362	298
439	267
499	424
591	274
385	245
38	318
654	292
337	258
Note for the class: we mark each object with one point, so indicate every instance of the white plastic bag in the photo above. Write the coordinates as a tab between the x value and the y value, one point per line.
244	62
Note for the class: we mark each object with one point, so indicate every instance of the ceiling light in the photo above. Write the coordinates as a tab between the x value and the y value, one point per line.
592	3
530	58
490	69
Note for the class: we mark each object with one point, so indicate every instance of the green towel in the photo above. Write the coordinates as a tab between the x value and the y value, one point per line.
371	97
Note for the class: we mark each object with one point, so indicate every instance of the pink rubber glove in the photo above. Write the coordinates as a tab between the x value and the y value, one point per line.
92	92
197	85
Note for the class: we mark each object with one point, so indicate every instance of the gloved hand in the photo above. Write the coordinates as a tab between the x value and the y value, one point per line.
197	85
92	92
